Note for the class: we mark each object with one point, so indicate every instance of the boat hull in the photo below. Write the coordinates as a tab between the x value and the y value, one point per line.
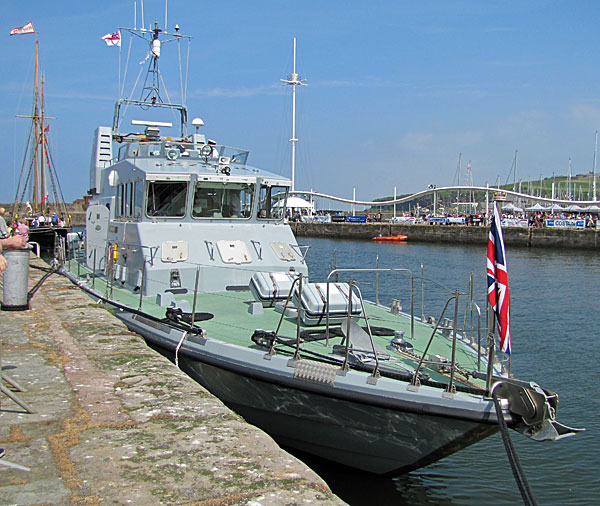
391	238
366	437
355	425
47	237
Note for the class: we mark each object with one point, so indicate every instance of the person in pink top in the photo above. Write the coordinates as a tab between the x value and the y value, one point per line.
23	229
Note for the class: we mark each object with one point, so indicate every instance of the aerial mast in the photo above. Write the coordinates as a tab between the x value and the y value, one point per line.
294	80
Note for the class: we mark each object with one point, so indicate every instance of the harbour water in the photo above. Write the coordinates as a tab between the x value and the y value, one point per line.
555	317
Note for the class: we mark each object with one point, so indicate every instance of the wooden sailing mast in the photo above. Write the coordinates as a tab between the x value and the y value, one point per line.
33	172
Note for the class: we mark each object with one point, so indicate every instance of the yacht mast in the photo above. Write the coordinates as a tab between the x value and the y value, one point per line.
294	80
595	159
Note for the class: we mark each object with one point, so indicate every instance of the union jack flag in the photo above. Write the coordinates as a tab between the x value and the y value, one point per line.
497	281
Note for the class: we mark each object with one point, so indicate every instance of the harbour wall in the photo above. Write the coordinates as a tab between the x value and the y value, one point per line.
534	237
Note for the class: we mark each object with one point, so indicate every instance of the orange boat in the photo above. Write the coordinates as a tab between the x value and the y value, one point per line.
391	238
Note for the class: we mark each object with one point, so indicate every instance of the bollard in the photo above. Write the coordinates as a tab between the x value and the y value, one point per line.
15	280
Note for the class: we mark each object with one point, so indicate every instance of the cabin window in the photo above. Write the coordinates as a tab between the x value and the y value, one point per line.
166	198
222	200
128	199
120	201
271	205
138	197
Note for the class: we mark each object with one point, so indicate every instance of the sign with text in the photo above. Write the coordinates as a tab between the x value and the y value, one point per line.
514	222
356	219
555	223
410	220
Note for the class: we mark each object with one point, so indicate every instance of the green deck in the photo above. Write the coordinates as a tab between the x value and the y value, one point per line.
232	323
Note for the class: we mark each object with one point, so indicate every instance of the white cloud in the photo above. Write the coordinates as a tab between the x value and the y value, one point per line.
416	141
585	112
244	91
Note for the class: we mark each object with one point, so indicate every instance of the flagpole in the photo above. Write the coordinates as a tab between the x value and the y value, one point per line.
491	348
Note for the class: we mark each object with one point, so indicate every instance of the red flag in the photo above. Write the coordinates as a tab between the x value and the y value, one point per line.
497	278
20	30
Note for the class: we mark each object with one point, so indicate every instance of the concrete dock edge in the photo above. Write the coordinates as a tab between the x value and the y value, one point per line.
116	423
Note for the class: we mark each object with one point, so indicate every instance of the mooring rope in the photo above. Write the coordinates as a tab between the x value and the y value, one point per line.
35	288
511	453
179	346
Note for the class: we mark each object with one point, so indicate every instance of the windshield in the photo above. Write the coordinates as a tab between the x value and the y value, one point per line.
218	200
166	198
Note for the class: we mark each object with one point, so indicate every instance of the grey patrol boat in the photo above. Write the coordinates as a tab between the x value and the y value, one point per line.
189	245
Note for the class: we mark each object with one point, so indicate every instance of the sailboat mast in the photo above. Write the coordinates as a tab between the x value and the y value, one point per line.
595	159
458	180
34	202
569	183
515	171
42	150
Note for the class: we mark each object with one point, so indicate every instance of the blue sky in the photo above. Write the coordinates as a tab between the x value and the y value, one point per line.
396	89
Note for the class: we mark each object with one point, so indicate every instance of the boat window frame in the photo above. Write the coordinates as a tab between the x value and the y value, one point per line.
223	182
268	211
138	198
151	180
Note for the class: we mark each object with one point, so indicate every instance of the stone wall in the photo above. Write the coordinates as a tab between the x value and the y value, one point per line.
453	234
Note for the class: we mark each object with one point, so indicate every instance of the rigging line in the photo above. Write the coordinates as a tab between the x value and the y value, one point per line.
187	70
180	76
23	165
126	68
168	98
55	180
26	184
510	171
132	90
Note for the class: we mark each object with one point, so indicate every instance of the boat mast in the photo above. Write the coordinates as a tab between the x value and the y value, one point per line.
150	89
458	180
36	131
515	171
595	159
294	80
42	151
570	183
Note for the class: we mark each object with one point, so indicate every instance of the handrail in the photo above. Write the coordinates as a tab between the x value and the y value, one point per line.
437	324
272	348
478	309
336	271
376	373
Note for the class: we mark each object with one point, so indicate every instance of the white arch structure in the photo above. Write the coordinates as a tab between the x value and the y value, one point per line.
487	189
